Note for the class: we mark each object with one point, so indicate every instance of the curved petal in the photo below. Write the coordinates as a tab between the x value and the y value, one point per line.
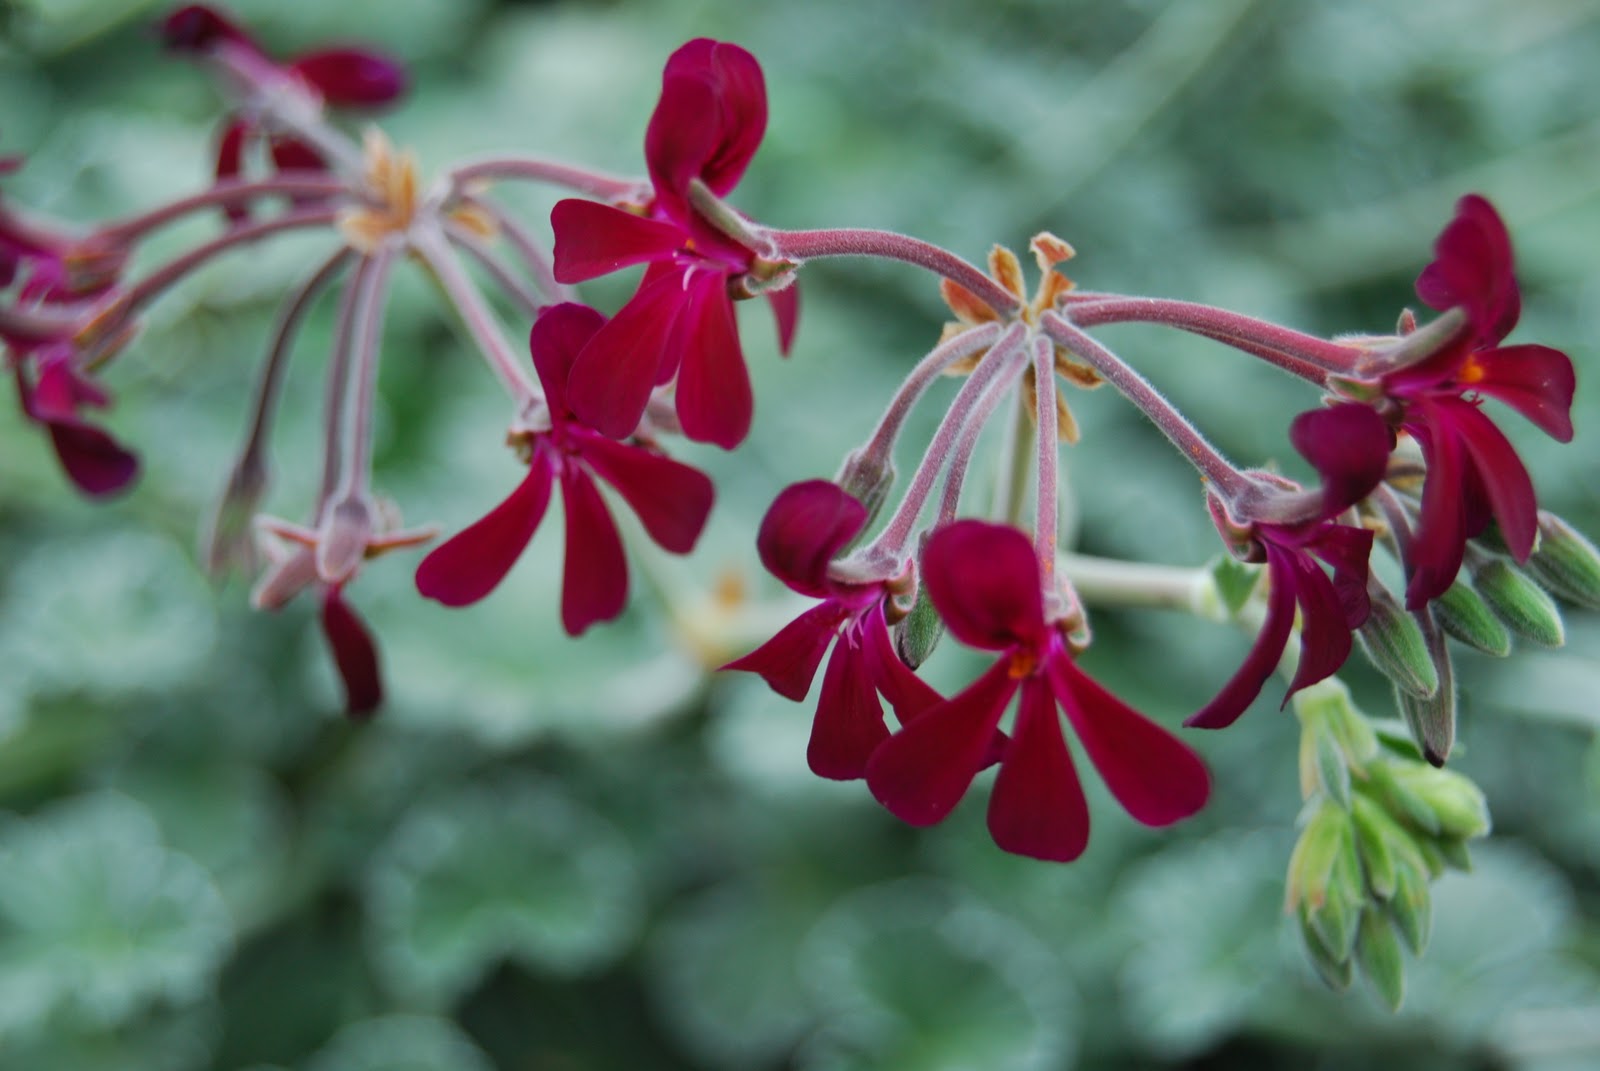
849	725
1536	381
610	382
985	583
557	337
671	499
352	77
921	772
1349	446
1349	551
231	145
708	122
1156	777
1038	808
805	527
714	399
593	239
1324	634
594	581
1248	680
786	311
354	654
789	660
908	694
292	154
1440	539
1473	268
198	27
470	564
1504	477
92	459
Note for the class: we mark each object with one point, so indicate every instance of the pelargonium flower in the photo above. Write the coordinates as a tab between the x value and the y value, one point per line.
985	582
707	126
343	77
1348	444
807	525
1474	475
671	499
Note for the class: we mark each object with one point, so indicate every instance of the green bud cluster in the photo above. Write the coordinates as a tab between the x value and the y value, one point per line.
1379	825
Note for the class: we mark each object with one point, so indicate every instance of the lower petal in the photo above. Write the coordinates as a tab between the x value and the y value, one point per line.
354	655
715	403
789	660
471	564
594	583
1038	808
1246	683
849	725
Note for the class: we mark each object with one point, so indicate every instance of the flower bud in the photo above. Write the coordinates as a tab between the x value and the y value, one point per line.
868	479
1519	603
1566	564
1325	880
1335	972
916	636
1395	645
1378	952
1411	906
1374	830
1462	613
1456	804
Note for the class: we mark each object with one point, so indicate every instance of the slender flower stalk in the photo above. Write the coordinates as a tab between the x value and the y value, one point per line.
998	391
518	291
338	384
535	257
1048	453
801	246
582	180
225	192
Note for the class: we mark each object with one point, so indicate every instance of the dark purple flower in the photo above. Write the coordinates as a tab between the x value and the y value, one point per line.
355	655
807	525
671	499
985	582
707	126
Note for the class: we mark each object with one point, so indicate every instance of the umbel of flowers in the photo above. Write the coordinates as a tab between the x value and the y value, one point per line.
1398	428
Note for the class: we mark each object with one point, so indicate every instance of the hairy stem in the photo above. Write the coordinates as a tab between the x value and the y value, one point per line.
887	245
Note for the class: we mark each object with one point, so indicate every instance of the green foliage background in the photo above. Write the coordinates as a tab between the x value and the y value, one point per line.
549	854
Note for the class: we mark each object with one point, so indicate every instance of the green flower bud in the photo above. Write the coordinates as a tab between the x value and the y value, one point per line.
1455	853
1566	564
1457	805
1395	645
1520	603
1336	973
1325	879
916	636
1411	906
1462	613
1373	830
1233	581
868	479
1399	800
1378	952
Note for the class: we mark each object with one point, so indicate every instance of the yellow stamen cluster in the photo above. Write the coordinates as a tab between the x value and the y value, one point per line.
390	185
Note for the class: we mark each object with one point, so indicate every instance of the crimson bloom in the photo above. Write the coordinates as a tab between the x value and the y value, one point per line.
807	526
55	399
1348	444
985	583
707	126
671	499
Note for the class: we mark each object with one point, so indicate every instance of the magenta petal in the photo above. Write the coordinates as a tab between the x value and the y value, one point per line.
786	311
1156	777
554	341
1440	539
472	563
805	527
197	27
671	499
352	77
1038	808
1473	269
1349	446
849	724
354	655
985	583
921	772
1536	381
742	100
593	239
230	161
789	660
292	154
907	693
1349	551
92	459
714	400
1504	476
708	123
594	584
611	380
1324	635
1248	680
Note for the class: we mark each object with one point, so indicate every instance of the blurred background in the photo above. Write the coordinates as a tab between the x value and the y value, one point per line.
549	854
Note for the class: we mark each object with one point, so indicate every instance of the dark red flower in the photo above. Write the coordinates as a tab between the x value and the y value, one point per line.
54	398
1348	444
671	499
807	525
707	126
985	583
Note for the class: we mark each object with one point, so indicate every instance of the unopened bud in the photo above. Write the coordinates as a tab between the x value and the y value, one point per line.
1457	805
1519	603
1335	972
1395	645
916	636
1398	799
868	478
1462	613
1455	853
1325	879
1378	952
1374	830
228	540
1566	563
342	543
1411	906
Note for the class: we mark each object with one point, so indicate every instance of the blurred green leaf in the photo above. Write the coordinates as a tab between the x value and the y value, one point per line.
400	1043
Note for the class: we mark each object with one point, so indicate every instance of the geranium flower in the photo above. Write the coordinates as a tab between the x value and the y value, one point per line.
985	582
671	499
707	126
807	525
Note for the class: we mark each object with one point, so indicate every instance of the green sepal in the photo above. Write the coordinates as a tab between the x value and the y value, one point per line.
1378	952
1395	645
1457	805
1455	853
1411	906
1399	800
1234	582
1566	563
1462	613
918	633
1325	879
867	479
1523	606
1336	973
1373	830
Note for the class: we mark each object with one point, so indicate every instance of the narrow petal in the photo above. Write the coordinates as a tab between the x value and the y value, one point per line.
1349	551
594	584
789	660
907	693
355	656
985	583
292	154
593	239
611	380
921	772
671	499
805	527
197	27
1324	634
1504	476
1038	808
472	563
92	459
742	102
1248	680
786	311
1473	268
1440	539
1156	777
714	399
1349	446
555	340
352	77
231	145
849	725
1536	381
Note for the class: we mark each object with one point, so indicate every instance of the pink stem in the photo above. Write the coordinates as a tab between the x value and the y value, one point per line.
536	169
1046	507
225	192
850	242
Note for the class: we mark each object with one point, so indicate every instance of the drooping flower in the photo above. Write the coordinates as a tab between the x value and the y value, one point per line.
985	582
807	525
671	499
680	322
55	398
